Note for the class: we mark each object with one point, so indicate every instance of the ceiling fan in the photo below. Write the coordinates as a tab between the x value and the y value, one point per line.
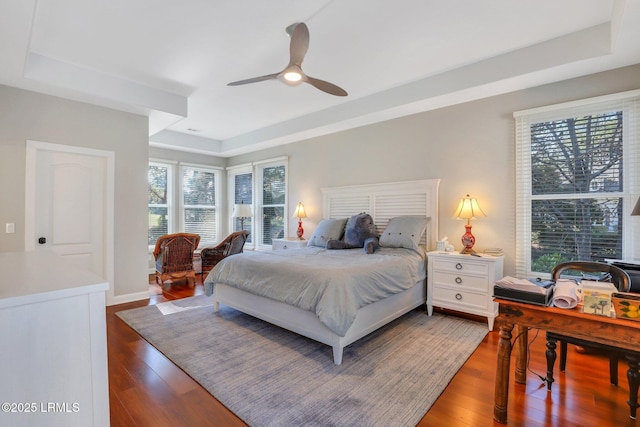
293	74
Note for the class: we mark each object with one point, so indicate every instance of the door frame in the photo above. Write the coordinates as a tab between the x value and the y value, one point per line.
32	148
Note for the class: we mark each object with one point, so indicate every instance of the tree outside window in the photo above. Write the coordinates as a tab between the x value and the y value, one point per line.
575	163
158	178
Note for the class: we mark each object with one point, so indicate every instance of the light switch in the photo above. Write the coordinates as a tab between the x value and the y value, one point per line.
10	228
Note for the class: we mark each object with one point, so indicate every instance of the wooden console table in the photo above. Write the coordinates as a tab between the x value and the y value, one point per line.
623	334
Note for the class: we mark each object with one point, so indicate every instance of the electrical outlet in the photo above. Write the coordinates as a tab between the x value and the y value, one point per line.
10	228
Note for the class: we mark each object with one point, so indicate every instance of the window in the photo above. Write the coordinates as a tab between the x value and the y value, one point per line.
577	165
272	209
159	177
199	202
243	194
269	200
184	202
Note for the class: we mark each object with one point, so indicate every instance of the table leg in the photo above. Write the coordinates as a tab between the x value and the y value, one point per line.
501	398
551	360
634	381
522	347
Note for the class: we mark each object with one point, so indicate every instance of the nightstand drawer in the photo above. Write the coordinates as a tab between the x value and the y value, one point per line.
289	243
460	266
452	297
461	281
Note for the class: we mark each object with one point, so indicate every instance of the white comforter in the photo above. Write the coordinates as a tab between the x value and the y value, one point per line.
332	283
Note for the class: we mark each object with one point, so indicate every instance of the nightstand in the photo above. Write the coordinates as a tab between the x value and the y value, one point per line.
463	283
288	243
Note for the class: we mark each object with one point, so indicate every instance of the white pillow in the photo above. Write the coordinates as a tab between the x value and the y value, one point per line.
404	232
328	229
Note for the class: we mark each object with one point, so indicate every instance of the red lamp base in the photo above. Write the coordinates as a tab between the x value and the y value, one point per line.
300	230
468	240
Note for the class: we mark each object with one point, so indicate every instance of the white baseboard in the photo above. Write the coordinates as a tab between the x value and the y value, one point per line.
121	299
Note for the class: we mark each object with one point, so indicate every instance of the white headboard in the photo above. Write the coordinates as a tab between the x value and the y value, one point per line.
385	201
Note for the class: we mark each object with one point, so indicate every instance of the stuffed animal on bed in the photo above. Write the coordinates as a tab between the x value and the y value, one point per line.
360	232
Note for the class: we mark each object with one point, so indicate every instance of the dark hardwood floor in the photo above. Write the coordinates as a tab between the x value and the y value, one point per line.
146	389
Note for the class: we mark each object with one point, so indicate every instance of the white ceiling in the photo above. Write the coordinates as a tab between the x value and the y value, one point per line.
172	60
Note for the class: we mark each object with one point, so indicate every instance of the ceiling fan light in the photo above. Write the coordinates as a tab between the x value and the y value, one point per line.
292	76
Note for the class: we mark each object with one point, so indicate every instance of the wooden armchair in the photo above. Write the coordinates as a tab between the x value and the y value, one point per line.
622	281
174	256
231	245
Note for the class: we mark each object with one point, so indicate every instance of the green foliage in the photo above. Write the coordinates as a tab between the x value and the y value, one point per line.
157	177
546	262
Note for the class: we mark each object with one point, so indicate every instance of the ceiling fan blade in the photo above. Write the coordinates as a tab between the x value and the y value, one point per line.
299	43
327	87
254	80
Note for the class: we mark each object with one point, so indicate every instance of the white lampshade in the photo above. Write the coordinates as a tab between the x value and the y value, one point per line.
299	212
468	208
242	211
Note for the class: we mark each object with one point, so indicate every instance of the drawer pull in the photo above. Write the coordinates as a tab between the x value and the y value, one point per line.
458	297
284	247
458	280
458	266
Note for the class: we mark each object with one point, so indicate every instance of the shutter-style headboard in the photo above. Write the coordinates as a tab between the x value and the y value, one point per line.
385	201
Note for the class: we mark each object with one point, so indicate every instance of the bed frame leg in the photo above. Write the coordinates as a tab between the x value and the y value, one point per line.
216	306
337	355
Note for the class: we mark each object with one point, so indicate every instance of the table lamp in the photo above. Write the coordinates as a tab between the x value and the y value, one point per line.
300	213
468	209
242	212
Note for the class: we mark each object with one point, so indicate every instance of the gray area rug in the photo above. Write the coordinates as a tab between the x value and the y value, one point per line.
272	377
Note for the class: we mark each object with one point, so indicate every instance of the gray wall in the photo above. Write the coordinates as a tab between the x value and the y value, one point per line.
185	157
470	147
31	116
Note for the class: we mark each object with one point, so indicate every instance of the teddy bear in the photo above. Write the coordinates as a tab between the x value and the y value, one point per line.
360	232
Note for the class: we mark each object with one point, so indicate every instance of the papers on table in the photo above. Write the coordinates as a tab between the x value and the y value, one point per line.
566	294
524	285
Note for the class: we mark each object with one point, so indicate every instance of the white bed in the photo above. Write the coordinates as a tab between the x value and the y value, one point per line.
383	202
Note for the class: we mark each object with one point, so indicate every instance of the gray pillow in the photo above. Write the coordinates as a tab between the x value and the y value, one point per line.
404	232
328	229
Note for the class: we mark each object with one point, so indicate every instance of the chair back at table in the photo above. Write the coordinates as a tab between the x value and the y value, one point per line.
617	276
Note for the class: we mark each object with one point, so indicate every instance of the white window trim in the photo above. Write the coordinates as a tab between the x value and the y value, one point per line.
631	165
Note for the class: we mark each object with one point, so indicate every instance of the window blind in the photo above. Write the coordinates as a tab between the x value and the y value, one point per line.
199	202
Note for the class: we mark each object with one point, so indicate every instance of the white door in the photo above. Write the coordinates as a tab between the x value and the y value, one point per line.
69	204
